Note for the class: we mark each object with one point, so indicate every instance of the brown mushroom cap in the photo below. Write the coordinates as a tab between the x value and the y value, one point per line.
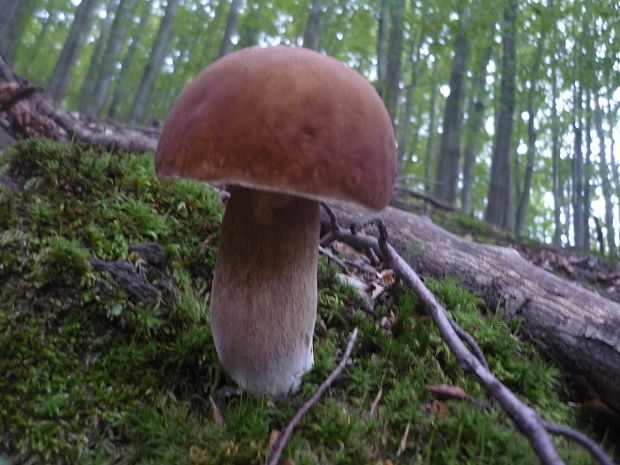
285	120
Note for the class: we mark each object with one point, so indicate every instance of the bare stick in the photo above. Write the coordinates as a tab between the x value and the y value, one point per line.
280	444
526	419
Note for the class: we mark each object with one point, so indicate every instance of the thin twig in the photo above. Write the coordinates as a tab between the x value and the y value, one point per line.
579	438
280	444
526	419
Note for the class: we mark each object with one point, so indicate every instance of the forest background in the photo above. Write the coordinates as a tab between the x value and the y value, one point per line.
507	110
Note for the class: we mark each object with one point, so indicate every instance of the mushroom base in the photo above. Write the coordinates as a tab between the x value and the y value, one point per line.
264	295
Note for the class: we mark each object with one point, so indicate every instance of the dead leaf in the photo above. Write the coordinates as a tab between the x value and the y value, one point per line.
445	391
403	441
216	415
439	409
273	438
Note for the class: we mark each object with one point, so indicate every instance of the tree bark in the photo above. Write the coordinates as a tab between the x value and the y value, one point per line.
59	81
578	328
111	53
405	125
391	87
226	46
88	85
382	44
449	157
499	197
15	15
555	154
524	198
605	181
430	141
120	81
155	59
475	119
577	165
313	26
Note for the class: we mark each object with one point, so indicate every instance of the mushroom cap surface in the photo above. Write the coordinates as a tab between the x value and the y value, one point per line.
286	120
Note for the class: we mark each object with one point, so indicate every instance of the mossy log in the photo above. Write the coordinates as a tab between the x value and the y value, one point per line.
577	327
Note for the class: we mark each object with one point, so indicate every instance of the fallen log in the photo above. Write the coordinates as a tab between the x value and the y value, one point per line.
577	327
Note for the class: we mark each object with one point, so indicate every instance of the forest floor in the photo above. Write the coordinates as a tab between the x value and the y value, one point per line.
99	371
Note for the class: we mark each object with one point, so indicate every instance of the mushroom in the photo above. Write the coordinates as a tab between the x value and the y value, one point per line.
286	128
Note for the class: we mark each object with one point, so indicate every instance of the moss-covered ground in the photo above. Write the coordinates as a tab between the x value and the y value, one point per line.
90	375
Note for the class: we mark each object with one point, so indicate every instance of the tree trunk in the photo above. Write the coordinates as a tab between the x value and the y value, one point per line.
313	26
524	199
88	85
382	44
449	156
111	54
555	154
475	120
120	82
248	32
605	182
15	15
58	83
404	125
391	88
430	142
587	175
499	197
156	56
577	166
578	328
226	46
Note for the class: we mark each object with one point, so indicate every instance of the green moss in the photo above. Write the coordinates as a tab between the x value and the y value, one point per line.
93	376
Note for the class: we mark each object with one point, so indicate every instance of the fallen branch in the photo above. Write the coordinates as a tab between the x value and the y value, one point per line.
280	444
524	417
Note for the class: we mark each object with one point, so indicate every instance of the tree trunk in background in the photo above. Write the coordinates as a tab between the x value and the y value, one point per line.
475	119
382	44
58	83
248	32
605	183
524	199
449	156
577	165
555	155
110	57
391	88
226	46
615	166
313	26
430	142
587	175
86	95
120	81
15	15
405	124
155	59
499	197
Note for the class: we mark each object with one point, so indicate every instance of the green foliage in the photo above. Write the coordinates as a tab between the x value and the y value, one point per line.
92	376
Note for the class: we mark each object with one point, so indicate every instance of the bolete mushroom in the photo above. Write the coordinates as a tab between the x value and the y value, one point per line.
286	127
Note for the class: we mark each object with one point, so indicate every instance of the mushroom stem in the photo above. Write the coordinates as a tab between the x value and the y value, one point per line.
263	299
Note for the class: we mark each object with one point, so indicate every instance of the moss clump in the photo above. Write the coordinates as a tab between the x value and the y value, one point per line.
94	376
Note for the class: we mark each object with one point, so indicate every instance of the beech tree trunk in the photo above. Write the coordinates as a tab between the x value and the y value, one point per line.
578	328
449	158
475	120
499	197
152	67
57	86
226	46
391	87
313	26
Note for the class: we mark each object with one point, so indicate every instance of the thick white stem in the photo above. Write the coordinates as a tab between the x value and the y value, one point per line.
263	299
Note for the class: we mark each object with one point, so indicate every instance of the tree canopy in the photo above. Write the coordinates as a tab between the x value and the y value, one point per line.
508	110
